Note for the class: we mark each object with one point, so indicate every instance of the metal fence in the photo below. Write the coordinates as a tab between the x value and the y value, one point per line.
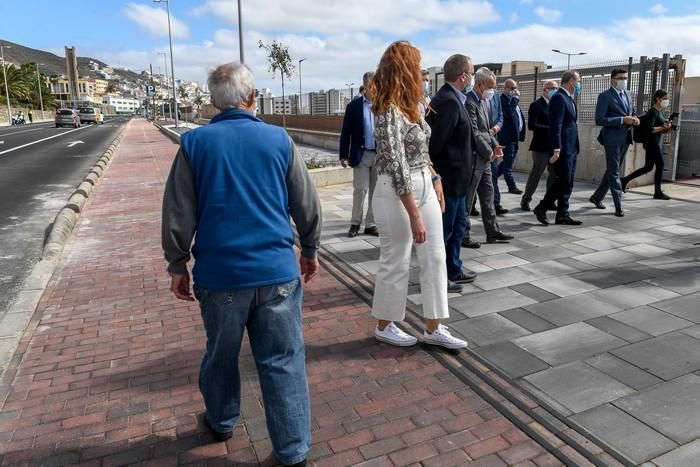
688	164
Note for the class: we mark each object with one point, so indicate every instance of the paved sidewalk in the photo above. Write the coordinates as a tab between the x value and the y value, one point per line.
601	322
106	373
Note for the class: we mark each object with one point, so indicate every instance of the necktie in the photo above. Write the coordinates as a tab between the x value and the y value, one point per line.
623	97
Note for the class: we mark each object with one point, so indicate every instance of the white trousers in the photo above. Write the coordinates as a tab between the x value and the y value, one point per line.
396	240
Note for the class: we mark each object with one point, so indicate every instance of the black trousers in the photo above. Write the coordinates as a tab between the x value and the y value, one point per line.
654	156
560	190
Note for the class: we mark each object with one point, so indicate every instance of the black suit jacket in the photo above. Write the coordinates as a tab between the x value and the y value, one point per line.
563	129
450	144
352	136
538	123
511	114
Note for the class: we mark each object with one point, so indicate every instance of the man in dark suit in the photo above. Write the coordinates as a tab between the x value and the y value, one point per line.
452	155
359	151
538	123
563	138
615	112
494	114
486	150
513	131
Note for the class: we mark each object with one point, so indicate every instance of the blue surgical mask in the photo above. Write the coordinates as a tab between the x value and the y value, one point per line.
552	92
470	86
577	89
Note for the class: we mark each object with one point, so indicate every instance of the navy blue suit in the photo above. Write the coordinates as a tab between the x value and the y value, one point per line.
616	137
512	131
352	136
562	135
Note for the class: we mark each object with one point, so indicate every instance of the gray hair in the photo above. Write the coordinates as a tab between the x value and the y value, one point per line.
569	75
367	77
483	75
455	66
548	82
230	85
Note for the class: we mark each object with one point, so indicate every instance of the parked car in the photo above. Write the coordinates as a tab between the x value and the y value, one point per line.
67	117
90	115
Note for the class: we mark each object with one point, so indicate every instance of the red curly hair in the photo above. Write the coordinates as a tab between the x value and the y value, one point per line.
398	81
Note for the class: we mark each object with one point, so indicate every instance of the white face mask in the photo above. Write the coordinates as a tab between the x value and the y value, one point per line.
621	84
488	94
426	87
665	103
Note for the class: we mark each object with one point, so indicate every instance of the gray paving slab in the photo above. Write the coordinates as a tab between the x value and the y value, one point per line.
687	307
693	332
671	408
683	282
591	232
534	292
632	438
492	301
608	258
578	386
569	310
549	268
511	359
679	230
684	456
569	343
501	261
631	238
488	329
599	243
527	320
549	239
544	253
646	250
622	371
504	278
618	275
668	356
618	329
651	321
633	295
564	286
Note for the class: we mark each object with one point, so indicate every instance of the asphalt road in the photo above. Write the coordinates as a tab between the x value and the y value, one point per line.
40	167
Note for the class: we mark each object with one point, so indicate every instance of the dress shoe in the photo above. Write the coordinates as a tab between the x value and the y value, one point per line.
619	213
474	212
567	221
525	206
217	435
661	195
467	242
499	237
453	287
596	203
354	230
515	191
541	215
372	231
500	210
464	277
623	183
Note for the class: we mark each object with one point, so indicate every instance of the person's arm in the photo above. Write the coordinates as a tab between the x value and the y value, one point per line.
601	113
179	223
442	124
345	134
498	124
557	107
305	210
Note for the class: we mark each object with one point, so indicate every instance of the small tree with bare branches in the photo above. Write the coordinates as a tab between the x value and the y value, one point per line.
280	60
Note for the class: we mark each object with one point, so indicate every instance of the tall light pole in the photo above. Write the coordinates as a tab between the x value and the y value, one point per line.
167	85
38	82
568	56
350	85
4	74
299	103
172	65
240	33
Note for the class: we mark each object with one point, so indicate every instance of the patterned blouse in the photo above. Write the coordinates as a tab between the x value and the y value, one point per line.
401	147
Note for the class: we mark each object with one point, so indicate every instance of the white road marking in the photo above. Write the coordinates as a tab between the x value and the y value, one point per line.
73	143
43	139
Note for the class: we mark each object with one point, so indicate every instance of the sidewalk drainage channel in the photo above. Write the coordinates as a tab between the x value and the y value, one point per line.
534	417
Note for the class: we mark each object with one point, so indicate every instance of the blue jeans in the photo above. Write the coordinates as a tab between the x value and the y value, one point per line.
614	160
505	168
272	316
454	224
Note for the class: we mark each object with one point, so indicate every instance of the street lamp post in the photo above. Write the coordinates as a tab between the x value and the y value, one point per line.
172	65
299	103
167	85
240	33
350	85
568	56
4	74
38	82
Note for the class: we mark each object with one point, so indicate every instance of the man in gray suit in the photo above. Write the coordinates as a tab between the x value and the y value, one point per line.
486	150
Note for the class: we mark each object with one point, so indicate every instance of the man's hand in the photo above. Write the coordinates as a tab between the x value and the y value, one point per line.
180	286
309	268
494	129
555	156
630	120
498	152
344	162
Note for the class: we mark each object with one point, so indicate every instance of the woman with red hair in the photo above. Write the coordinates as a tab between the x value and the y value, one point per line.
408	203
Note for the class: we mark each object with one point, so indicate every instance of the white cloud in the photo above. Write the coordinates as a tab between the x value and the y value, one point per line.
658	9
548	15
514	17
334	16
154	20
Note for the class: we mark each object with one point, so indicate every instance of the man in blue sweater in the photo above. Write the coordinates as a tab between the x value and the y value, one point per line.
232	188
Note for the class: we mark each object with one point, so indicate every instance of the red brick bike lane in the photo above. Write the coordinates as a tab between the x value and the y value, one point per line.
106	372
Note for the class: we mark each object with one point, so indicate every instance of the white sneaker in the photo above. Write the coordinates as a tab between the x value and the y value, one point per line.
394	336
443	338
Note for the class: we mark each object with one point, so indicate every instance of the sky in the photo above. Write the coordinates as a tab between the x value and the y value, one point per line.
340	40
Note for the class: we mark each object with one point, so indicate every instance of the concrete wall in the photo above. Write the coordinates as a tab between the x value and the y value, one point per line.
331	124
319	139
691	91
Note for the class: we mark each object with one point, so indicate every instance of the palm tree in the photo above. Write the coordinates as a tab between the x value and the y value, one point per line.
19	84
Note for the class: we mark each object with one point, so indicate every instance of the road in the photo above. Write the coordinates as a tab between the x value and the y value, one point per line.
40	167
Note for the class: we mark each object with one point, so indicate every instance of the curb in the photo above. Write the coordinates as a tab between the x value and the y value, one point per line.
68	216
173	135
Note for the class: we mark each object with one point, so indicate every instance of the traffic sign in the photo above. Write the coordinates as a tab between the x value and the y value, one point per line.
150	90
